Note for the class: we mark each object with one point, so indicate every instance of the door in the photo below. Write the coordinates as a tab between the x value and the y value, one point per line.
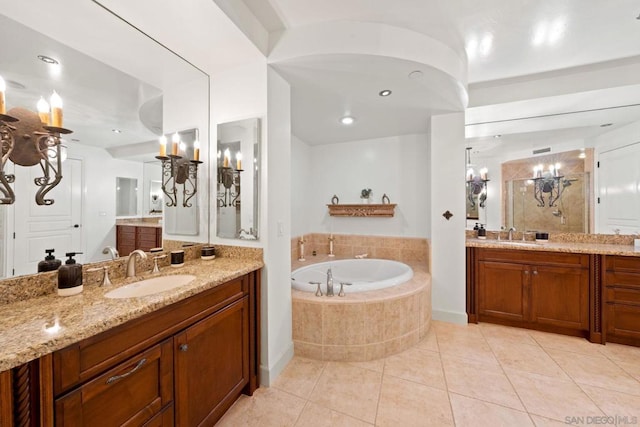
560	297
619	190
57	226
211	365
503	291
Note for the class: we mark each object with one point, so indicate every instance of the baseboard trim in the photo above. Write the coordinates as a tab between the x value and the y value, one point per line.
450	316
267	376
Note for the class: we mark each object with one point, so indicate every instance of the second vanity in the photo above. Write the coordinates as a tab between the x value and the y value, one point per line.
180	357
590	290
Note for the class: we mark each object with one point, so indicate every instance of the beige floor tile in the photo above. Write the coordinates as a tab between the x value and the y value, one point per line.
631	368
318	416
267	407
372	365
546	422
596	371
468	412
527	358
551	397
463	341
477	380
563	342
405	403
506	334
417	365
300	376
621	353
430	342
614	403
348	389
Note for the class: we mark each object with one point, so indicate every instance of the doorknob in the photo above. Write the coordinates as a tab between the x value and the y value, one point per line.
76	225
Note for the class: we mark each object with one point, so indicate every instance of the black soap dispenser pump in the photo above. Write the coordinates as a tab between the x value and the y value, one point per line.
70	276
50	263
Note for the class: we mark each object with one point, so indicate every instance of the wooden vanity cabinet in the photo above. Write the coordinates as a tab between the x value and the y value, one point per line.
539	290
622	299
184	365
132	237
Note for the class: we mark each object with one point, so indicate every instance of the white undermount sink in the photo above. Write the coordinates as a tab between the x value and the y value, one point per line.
151	286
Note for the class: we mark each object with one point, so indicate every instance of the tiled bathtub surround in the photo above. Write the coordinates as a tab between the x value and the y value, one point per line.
365	325
405	249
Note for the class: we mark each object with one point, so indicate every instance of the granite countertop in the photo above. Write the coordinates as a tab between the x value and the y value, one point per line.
569	247
32	328
141	224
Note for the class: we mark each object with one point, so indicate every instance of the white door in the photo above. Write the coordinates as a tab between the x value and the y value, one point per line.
57	226
619	190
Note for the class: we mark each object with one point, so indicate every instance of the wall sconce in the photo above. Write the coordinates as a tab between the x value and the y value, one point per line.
547	182
229	180
177	170
476	184
28	139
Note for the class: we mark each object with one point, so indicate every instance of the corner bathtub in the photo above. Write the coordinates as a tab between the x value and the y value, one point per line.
385	311
363	274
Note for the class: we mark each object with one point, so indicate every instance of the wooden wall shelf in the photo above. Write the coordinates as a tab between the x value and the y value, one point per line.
363	210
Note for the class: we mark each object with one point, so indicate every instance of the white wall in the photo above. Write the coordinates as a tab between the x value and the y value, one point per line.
447	236
396	166
301	180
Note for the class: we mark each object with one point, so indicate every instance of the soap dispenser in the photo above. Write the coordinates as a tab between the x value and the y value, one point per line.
50	263
70	276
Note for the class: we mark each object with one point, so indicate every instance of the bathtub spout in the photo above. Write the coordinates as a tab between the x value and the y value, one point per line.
329	283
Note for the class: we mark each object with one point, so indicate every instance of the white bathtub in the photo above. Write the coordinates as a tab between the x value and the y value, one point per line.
363	274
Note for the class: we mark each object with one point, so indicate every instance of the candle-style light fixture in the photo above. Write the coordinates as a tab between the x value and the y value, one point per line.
547	182
476	183
228	179
30	138
177	170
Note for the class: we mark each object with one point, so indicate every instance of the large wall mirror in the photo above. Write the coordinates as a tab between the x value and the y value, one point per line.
117	102
238	179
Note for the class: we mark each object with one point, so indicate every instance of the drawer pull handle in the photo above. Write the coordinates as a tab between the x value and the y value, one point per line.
119	377
184	347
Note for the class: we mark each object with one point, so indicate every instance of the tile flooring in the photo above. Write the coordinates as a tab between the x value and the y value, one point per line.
459	375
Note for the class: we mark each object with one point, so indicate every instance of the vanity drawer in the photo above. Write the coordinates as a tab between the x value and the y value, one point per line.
615	278
623	263
92	356
131	393
533	257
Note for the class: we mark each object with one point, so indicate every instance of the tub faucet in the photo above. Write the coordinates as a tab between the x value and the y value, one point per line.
113	252
510	235
329	283
131	262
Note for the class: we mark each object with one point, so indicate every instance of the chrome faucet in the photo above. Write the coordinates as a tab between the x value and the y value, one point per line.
113	252
131	262
329	282
510	235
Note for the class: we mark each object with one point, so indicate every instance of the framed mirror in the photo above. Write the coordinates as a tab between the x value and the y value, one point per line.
117	102
126	197
238	179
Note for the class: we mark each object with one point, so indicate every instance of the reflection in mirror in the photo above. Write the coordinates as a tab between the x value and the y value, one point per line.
238	179
180	182
126	196
117	101
549	193
155	197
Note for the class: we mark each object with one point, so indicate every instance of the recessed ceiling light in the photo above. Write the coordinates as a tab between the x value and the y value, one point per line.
48	59
385	92
347	120
497	136
116	131
605	125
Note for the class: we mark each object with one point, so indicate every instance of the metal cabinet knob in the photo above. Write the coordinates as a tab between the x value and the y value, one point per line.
184	347
535	272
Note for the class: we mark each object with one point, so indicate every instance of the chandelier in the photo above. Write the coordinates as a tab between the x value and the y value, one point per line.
476	183
178	170
229	180
547	183
27	139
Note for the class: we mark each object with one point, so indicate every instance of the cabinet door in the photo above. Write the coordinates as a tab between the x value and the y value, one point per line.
146	238
560	297
503	291
125	239
623	322
129	394
211	365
